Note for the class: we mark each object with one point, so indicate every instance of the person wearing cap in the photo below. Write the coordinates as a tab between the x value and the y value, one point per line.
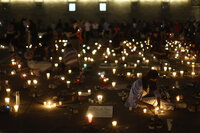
142	87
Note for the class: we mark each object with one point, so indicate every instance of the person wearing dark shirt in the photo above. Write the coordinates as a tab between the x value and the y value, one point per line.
75	36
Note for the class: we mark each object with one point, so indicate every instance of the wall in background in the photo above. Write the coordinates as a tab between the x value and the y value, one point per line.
47	13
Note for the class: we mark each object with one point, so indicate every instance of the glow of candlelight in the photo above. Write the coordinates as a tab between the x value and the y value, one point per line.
113	84
178	98
48	75
100	98
16	107
114	70
114	123
90	117
145	110
7	100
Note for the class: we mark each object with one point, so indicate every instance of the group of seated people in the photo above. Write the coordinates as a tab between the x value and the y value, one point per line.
38	59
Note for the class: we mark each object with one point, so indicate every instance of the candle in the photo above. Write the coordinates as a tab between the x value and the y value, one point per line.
145	110
100	98
116	61
60	103
138	61
16	107
35	81
170	68
89	91
113	84
125	65
56	65
19	66
62	78
114	70
178	98
79	93
193	73
13	72
135	65
51	58
181	72
68	83
29	82
48	75
90	116
114	123
123	58
165	68
128	74
8	90
7	100
174	74
60	58
69	71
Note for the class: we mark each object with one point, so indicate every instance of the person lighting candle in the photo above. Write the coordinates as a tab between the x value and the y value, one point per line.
142	87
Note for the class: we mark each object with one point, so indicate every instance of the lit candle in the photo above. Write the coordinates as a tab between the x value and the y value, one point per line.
60	58
135	65
178	98
69	71
79	93
68	83
62	78
193	73
116	61
60	103
128	74
181	72
8	90
16	107
165	68
145	110
29	82
100	98
7	100
169	68
90	116
123	58
19	66
35	82
114	70
174	74
113	84
48	75
89	91
138	61
125	65
56	65
13	72
114	123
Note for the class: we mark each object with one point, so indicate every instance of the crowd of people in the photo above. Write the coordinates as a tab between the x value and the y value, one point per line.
25	33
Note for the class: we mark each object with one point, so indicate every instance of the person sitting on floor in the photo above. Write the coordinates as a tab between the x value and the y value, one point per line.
39	61
70	58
